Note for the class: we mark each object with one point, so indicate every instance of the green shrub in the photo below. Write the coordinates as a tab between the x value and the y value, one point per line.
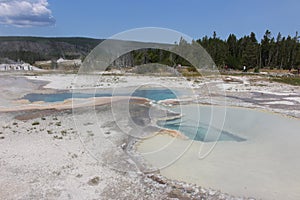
287	80
256	70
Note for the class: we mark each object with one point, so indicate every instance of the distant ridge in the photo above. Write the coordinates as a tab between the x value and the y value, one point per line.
30	49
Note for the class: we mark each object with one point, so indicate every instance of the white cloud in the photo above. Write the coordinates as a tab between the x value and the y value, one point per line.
25	13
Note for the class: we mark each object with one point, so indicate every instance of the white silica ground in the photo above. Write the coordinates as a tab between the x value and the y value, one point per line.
265	165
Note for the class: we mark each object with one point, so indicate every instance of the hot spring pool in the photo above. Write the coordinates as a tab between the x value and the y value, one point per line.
265	165
155	94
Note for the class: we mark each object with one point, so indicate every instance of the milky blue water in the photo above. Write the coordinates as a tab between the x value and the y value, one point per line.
153	94
198	131
194	130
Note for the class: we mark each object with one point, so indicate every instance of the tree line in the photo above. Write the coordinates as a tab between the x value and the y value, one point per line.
280	52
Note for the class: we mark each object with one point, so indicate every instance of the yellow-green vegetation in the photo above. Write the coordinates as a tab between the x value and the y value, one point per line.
239	73
190	72
288	80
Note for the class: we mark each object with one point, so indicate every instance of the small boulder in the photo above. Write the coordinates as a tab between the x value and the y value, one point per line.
94	181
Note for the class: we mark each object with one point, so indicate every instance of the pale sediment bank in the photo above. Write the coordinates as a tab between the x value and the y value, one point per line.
172	133
69	103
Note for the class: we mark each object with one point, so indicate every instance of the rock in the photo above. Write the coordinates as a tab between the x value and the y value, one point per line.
212	192
203	191
78	175
123	146
177	194
158	179
94	181
177	186
189	189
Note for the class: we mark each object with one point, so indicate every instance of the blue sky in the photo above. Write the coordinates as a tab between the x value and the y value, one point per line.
104	18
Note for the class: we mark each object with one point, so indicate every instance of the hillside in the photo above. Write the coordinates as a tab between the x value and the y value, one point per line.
31	49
